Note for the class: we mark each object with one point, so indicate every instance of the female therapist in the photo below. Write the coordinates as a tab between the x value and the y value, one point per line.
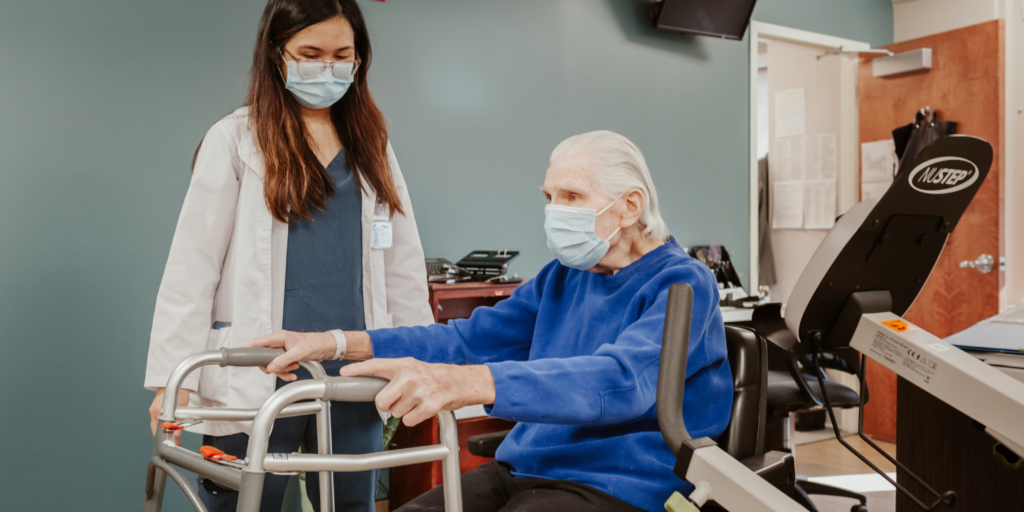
297	217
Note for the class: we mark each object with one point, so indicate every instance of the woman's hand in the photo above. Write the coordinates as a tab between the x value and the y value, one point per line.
419	390
158	403
309	346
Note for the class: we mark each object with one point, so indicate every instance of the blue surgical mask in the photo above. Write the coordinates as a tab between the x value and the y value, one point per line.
572	236
316	93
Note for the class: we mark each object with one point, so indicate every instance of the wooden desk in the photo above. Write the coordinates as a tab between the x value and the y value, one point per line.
947	451
448	302
458	300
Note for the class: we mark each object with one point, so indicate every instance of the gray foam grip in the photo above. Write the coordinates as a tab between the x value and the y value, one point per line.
354	389
675	344
249	356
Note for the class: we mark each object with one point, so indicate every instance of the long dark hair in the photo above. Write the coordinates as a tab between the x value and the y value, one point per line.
294	179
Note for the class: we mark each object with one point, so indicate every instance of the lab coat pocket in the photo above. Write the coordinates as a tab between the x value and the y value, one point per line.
213	380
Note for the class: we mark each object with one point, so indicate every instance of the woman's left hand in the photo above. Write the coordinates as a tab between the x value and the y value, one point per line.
418	390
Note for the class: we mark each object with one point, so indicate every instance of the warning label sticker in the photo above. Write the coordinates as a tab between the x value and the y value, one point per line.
887	349
899	325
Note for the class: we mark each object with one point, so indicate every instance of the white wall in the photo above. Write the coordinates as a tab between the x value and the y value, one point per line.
1013	187
917	18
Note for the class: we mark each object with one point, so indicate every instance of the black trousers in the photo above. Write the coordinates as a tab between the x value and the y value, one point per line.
491	487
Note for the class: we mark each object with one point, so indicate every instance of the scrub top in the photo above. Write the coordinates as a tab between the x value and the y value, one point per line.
324	271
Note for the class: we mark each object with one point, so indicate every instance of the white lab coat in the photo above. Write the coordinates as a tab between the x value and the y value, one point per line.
227	264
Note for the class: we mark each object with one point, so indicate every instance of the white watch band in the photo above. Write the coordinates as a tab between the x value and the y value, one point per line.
339	337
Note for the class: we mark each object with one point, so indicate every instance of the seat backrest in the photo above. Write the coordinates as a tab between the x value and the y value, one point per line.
748	357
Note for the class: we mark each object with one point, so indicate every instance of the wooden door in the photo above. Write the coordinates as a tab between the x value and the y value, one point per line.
966	85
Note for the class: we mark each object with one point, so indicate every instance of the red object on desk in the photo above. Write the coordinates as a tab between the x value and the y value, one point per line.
448	302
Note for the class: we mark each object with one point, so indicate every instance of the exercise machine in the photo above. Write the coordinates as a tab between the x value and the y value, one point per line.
868	271
753	485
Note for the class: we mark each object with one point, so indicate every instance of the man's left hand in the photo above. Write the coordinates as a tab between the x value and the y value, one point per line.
418	390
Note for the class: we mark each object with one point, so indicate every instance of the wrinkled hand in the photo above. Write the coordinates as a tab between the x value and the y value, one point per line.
299	346
419	390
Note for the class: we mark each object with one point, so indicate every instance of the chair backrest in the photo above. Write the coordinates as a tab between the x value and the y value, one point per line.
748	357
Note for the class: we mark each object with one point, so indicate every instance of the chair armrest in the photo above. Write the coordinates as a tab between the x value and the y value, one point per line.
486	445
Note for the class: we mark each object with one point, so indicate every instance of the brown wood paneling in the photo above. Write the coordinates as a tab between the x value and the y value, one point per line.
966	85
943	447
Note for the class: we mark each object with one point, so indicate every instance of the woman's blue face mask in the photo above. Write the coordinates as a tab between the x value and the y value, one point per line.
572	236
316	93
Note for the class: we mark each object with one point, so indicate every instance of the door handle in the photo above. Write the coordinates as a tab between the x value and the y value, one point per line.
984	263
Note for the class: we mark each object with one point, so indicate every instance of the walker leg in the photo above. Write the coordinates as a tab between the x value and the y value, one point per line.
323	442
450	471
250	495
156	482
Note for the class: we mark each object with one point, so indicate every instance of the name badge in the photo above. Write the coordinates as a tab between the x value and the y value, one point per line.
381	235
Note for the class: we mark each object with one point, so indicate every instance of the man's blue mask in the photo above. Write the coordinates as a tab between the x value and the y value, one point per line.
572	236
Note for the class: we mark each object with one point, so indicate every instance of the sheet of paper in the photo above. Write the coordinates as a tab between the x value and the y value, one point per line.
829	156
788	205
789	159
873	190
877	161
819	204
813	165
790	113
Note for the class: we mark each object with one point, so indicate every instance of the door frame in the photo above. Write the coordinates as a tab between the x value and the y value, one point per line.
848	139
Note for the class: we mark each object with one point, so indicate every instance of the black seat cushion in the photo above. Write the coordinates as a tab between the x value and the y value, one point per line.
784	396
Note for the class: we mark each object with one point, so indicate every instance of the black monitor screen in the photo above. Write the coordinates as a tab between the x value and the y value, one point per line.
724	18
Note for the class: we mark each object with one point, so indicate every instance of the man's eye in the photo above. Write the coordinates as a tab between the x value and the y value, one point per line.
574	197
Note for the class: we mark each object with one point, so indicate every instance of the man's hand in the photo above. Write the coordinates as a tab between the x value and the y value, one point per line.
309	346
419	390
299	346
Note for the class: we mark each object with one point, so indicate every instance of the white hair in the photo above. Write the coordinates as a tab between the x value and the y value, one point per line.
616	167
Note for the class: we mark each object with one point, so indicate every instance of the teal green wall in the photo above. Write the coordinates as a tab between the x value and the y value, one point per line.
102	103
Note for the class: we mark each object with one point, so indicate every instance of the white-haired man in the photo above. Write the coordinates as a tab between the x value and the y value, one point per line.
572	355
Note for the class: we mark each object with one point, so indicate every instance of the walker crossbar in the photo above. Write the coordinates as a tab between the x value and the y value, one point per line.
247	476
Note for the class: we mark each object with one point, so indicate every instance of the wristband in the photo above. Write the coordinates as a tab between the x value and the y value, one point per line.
339	338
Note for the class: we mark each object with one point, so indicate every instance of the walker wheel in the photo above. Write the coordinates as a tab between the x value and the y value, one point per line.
859	508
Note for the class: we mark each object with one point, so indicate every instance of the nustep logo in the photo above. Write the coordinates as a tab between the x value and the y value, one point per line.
944	175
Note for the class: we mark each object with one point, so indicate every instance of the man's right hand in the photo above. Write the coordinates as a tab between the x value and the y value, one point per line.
309	346
158	403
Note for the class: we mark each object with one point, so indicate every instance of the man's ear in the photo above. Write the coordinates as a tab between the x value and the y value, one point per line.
634	201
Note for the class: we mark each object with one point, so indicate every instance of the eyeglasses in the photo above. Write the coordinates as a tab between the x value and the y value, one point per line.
341	70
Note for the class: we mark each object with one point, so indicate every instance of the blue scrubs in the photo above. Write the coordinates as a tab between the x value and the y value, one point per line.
323	291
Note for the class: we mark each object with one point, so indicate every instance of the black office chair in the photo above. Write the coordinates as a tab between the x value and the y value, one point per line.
793	387
744	437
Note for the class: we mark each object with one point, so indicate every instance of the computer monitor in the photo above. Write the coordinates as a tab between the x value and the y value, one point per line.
719	18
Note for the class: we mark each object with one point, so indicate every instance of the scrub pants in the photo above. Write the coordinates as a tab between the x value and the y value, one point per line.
356	427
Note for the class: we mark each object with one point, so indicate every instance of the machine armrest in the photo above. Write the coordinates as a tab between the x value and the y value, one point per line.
486	445
777	468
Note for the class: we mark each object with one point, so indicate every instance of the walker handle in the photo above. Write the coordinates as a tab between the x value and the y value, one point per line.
249	356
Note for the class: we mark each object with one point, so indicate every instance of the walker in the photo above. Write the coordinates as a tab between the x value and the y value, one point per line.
246	476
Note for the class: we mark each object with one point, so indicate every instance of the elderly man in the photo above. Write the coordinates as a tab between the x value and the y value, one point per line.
572	355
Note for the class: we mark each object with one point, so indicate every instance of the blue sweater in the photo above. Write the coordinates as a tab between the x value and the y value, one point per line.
575	361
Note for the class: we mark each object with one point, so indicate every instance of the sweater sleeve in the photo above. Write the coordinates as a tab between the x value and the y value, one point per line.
500	333
616	384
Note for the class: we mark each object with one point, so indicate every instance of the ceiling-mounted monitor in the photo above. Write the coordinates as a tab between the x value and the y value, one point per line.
719	18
